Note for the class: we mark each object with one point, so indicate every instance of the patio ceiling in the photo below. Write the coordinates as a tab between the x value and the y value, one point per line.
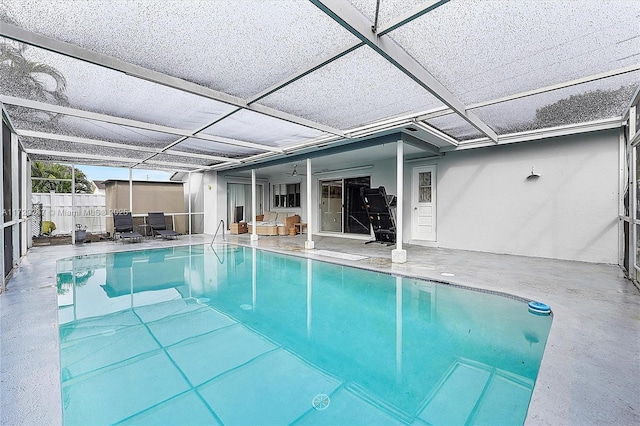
196	85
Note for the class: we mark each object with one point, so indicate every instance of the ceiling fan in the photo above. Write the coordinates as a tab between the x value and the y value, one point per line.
294	172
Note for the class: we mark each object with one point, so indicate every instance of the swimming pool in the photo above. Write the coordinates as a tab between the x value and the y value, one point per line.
236	335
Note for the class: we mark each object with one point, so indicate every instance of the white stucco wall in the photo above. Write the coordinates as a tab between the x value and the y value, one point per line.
485	202
210	202
384	174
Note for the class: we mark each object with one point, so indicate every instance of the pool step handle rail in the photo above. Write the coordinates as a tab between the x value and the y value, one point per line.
216	234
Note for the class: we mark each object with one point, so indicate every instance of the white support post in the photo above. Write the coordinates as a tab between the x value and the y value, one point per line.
254	233
189	195
633	197
633	235
309	294
73	205
399	255
24	207
622	184
309	244
2	279
131	191
15	199
398	329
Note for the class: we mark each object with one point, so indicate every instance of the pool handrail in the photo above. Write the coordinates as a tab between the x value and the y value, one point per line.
216	234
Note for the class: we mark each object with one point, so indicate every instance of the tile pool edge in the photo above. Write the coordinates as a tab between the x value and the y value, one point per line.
304	254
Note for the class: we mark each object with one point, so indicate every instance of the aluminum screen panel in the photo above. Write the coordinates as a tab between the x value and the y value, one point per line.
479	50
592	101
78	149
454	126
97	89
259	128
237	47
355	90
389	9
482	50
147	166
29	119
201	146
179	159
76	161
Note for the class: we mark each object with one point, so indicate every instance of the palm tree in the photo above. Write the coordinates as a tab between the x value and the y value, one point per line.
23	76
26	79
47	173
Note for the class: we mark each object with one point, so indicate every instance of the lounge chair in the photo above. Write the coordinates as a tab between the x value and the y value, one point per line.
123	227
159	226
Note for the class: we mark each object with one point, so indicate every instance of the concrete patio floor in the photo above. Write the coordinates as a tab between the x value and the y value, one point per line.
590	373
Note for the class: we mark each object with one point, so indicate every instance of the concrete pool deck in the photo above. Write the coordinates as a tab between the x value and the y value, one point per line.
590	372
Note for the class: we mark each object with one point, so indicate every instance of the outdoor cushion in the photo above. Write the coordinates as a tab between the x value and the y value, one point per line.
270	216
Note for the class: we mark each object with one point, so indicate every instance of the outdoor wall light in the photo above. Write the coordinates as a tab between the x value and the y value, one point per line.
533	175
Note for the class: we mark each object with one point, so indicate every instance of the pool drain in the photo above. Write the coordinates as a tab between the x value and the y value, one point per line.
320	401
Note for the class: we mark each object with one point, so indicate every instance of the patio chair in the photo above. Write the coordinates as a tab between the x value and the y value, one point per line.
159	226
123	227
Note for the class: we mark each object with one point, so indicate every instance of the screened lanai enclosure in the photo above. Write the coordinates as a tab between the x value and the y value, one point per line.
223	88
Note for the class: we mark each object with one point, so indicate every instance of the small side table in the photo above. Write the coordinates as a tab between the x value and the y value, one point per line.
146	230
238	228
300	227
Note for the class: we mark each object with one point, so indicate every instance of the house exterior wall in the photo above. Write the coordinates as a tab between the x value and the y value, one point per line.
486	203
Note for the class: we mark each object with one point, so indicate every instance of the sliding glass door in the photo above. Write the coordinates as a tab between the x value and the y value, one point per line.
331	205
341	206
356	219
239	203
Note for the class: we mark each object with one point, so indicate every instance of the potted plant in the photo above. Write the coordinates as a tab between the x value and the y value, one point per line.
81	233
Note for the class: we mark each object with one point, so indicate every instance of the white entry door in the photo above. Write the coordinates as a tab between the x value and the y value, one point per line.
423	202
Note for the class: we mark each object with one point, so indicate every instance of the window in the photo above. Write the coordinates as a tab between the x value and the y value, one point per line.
286	195
424	189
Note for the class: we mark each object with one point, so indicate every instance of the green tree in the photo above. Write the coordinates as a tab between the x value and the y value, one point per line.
51	171
594	105
589	106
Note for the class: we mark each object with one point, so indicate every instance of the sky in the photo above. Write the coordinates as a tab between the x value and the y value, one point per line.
104	173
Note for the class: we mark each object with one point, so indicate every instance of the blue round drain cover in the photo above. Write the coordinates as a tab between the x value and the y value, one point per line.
320	401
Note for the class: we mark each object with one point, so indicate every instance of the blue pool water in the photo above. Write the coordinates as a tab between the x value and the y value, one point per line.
234	335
